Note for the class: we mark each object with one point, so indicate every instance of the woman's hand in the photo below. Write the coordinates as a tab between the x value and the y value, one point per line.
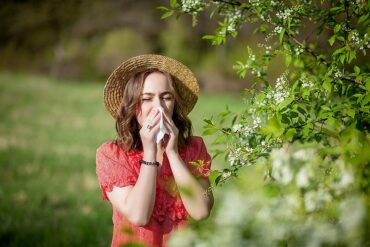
173	133
149	131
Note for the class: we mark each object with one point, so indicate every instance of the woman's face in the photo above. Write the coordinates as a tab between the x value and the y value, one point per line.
157	91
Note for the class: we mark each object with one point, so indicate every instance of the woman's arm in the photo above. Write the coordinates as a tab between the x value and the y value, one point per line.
136	202
197	199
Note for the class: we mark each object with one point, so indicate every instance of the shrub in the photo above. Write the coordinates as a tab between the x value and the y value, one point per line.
309	128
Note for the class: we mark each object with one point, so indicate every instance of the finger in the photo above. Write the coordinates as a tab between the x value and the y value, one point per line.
151	117
168	127
168	119
150	125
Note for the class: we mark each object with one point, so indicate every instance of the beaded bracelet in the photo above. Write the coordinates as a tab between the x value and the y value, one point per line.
154	163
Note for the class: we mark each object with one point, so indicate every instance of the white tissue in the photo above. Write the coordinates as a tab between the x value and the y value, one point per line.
162	128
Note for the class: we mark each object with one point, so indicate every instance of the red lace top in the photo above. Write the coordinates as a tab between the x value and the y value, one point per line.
116	167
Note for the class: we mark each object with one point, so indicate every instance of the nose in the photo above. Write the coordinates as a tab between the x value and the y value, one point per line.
158	102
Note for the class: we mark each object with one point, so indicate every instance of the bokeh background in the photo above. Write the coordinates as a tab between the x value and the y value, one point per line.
55	57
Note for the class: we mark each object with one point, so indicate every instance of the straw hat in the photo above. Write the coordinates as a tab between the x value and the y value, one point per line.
185	80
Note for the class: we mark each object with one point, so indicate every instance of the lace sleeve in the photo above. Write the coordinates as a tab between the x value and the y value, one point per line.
113	168
197	152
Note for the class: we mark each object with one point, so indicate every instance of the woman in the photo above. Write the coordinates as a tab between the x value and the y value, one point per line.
148	173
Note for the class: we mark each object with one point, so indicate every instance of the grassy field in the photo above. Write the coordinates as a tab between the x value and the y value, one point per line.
49	132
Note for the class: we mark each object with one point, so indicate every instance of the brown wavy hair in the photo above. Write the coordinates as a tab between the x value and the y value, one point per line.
127	126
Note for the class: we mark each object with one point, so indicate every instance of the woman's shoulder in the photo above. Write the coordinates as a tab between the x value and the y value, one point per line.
195	142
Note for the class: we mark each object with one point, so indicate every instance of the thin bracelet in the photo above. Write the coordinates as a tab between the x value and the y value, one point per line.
154	163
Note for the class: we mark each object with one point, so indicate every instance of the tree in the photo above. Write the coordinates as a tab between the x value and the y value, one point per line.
309	128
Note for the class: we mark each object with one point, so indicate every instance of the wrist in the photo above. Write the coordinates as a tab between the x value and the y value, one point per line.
149	155
172	154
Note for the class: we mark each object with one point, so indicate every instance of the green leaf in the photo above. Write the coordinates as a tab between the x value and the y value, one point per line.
307	129
208	121
133	244
289	135
352	55
327	85
357	70
186	190
340	38
337	9
218	179
273	127
198	163
302	110
281	36
351	113
173	3
167	14
366	100
213	176
285	103
288	60
293	114
367	85
162	8
363	18
332	40
337	28
325	108
211	37
234	119
342	58
209	131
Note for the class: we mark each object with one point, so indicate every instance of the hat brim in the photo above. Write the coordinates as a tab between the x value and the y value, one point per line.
187	84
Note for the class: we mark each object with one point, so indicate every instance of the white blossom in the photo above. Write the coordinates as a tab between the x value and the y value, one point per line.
346	177
307	84
284	15
234	17
352	215
303	177
303	154
281	90
248	130
298	50
237	127
268	49
280	166
278	30
314	200
310	201
256	122
190	6
337	74
355	37
226	174
255	2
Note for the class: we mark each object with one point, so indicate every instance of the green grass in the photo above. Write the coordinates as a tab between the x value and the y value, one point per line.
49	132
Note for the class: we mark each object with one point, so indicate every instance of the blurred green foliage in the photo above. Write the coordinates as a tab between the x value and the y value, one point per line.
117	46
88	39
